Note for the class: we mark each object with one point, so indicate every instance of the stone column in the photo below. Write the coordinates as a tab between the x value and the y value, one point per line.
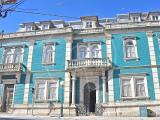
27	82
73	87
104	89
153	62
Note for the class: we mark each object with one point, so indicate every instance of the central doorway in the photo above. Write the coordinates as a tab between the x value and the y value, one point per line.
90	97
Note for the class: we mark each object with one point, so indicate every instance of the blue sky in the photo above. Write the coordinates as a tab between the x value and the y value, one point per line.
74	8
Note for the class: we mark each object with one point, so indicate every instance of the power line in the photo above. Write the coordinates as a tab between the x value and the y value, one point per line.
46	14
46	7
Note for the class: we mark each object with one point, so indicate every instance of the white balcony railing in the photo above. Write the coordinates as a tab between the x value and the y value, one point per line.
132	24
11	67
88	62
88	30
36	32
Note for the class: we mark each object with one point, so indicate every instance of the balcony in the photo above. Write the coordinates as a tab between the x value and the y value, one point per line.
88	31
88	63
11	67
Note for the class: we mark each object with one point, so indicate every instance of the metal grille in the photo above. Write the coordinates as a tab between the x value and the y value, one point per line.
81	110
98	109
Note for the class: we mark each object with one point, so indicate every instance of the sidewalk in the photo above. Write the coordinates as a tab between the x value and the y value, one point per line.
79	117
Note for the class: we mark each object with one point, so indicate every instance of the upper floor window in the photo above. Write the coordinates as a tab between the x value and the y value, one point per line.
13	54
135	19
82	53
45	26
155	17
8	57
95	52
130	48
28	28
49	53
133	86
18	56
88	24
89	51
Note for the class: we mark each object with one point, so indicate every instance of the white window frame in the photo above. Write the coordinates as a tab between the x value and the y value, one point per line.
133	40
90	23
43	28
13	49
89	47
133	78
46	81
29	26
46	46
134	20
154	14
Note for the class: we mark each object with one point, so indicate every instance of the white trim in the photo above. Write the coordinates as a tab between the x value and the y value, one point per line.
46	81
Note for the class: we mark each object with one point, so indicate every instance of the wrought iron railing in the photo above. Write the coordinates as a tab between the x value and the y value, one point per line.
11	67
88	62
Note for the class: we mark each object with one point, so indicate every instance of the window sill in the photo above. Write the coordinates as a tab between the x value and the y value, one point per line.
48	64
135	58
135	98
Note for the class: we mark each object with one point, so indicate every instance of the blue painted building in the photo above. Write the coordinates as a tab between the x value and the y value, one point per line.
110	66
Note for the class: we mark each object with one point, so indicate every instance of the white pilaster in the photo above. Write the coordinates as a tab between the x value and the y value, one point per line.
153	62
108	38
30	53
73	90
104	89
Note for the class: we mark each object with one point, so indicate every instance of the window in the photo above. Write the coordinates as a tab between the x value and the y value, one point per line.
8	57
135	19
88	24
49	53
46	89
133	86
95	52
45	26
89	51
130	48
82	53
28	28
18	56
155	17
13	54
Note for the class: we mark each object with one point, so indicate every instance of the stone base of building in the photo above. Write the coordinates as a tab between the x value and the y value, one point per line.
131	109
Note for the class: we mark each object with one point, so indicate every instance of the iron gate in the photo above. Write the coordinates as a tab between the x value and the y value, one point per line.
98	109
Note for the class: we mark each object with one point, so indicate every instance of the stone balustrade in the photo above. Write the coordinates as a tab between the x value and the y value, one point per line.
88	30
11	67
88	62
132	24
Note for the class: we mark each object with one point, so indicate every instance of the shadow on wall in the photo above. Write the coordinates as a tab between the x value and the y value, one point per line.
151	113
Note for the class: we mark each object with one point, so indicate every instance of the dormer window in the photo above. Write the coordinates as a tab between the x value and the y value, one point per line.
135	19
45	26
28	28
155	17
88	24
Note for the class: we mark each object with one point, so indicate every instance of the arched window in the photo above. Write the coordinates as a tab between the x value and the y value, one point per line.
130	50
82	53
49	55
8	57
95	52
18	56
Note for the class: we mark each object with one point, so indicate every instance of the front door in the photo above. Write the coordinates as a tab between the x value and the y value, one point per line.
8	97
90	97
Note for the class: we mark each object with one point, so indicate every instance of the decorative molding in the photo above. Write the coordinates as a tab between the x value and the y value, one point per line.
9	81
31	42
108	36
149	34
89	42
13	46
49	43
18	76
132	74
129	37
48	78
136	58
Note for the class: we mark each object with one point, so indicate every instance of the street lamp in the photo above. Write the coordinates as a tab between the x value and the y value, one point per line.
61	111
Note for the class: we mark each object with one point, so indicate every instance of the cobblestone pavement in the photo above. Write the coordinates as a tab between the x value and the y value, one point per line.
38	117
